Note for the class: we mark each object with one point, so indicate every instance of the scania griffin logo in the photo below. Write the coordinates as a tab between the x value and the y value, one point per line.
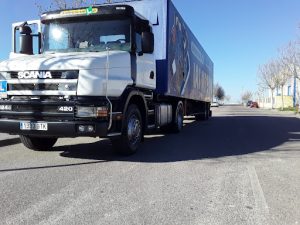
34	75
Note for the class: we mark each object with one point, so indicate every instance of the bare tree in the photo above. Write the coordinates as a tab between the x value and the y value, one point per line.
246	96
267	78
282	75
261	95
290	58
290	55
227	98
219	92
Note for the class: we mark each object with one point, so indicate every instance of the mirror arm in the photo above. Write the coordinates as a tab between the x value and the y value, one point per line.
39	42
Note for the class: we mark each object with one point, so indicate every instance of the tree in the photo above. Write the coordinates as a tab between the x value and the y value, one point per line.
290	55
246	96
227	98
282	76
267	78
260	93
219	92
290	58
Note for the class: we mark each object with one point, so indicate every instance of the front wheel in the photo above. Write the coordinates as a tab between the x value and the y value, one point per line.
132	132
38	144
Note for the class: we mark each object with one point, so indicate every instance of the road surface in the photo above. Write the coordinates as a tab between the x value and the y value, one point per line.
240	167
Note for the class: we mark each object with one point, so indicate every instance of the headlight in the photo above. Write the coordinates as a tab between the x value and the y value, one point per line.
5	107
91	112
86	111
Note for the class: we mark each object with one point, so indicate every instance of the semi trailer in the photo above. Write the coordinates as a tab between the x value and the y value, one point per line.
111	71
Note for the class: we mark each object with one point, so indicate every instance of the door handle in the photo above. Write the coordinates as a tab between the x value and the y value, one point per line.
152	75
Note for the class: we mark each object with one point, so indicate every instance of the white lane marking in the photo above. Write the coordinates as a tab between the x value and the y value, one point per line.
261	206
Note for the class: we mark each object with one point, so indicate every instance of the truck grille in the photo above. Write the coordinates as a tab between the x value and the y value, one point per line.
39	110
61	83
37	87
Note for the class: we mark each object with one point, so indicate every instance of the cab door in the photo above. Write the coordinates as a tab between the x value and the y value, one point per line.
146	67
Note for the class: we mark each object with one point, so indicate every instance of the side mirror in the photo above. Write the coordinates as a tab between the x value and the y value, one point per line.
25	30
26	40
147	42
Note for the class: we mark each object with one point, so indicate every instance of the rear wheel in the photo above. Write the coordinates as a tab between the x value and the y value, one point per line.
201	117
205	115
178	120
132	132
37	143
177	123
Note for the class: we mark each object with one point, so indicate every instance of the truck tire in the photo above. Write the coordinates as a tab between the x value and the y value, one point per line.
38	144
132	133
200	117
177	123
205	116
178	119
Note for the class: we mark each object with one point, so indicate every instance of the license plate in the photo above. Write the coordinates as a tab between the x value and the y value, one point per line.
33	126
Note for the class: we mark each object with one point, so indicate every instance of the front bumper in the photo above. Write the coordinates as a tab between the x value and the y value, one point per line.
55	129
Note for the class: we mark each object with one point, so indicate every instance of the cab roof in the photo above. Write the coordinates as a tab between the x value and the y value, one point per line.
109	11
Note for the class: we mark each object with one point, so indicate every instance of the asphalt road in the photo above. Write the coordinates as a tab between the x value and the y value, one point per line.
240	167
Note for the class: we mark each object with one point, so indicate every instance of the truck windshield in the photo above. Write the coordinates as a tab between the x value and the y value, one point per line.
86	36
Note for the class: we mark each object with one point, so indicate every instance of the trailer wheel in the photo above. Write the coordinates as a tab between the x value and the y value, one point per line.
200	117
204	116
38	144
178	119
132	132
177	123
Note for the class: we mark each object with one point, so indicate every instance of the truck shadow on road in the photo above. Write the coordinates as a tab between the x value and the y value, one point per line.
9	142
216	138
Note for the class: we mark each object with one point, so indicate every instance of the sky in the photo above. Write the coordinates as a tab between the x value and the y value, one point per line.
238	35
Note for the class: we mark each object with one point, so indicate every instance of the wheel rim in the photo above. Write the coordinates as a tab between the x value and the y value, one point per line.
134	130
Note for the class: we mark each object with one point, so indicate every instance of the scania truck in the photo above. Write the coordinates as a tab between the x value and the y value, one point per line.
111	71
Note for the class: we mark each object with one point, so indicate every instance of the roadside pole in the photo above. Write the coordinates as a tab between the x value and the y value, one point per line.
295	90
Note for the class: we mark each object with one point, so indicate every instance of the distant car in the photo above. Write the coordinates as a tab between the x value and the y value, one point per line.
214	104
249	103
254	105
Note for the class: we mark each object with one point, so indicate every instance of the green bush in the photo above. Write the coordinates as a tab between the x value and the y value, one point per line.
289	109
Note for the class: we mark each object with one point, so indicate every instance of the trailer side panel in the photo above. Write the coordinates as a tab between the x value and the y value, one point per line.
189	68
